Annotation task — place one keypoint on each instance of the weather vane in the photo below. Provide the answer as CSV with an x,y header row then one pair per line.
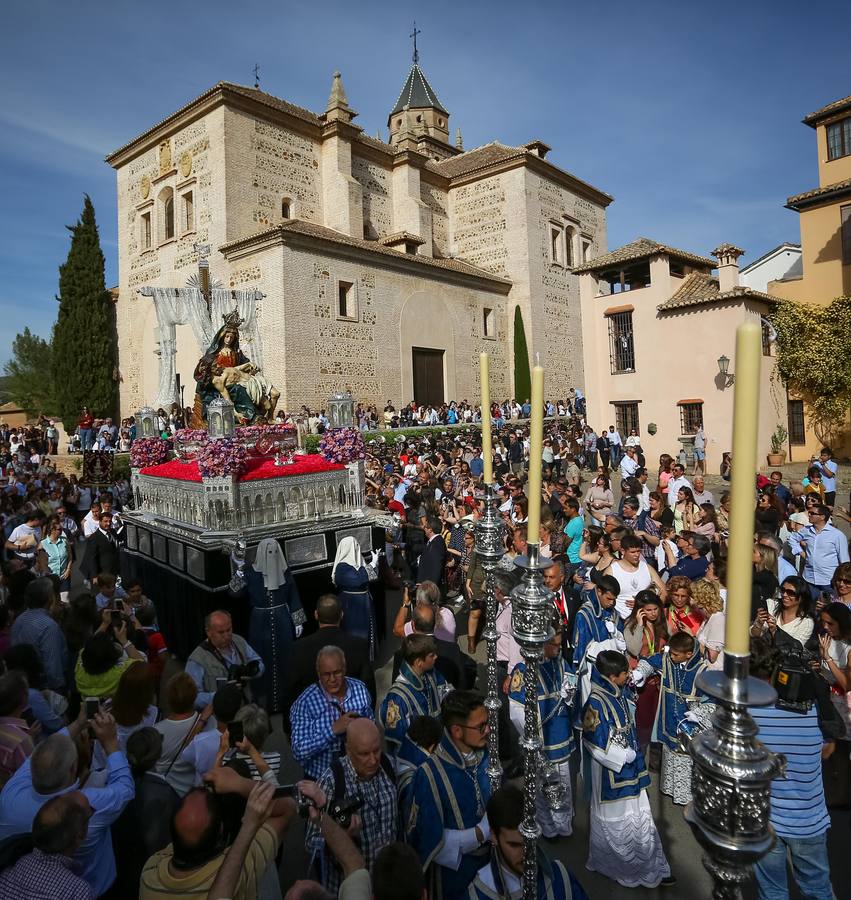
x,y
257,75
414,36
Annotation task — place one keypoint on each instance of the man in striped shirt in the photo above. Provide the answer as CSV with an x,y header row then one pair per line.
x,y
798,810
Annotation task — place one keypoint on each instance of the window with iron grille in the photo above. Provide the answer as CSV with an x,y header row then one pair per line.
x,y
626,417
766,339
691,417
621,346
797,433
839,139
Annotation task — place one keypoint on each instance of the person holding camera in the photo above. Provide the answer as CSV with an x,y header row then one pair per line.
x,y
360,788
222,655
799,814
791,614
190,864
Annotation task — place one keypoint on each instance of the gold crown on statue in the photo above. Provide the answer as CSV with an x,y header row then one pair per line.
x,y
233,319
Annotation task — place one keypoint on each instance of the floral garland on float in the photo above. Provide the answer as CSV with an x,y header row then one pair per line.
x,y
149,451
342,445
221,457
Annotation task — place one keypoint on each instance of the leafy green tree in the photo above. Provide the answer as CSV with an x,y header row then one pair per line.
x,y
812,359
29,374
522,377
85,351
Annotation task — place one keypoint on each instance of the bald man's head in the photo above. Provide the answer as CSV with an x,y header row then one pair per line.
x,y
363,747
60,825
197,830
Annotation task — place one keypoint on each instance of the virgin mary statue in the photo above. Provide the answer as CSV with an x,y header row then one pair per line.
x,y
225,371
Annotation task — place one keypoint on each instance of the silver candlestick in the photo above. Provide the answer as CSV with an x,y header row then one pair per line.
x,y
731,780
490,548
531,613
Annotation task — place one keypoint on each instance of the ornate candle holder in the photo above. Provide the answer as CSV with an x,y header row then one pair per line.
x,y
731,780
531,612
490,548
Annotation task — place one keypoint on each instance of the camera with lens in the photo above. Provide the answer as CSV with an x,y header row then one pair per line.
x,y
245,672
794,680
341,810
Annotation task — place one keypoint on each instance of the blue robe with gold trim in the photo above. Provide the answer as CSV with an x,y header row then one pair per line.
x,y
555,882
678,692
410,696
447,794
556,714
606,717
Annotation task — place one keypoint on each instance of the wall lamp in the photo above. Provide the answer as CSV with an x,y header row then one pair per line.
x,y
723,370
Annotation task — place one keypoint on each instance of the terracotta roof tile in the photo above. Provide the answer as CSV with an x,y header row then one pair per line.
x,y
298,226
836,107
642,248
838,187
699,288
479,158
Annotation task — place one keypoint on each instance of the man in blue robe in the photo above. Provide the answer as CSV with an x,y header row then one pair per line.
x,y
597,627
624,843
417,690
680,701
556,694
447,824
502,877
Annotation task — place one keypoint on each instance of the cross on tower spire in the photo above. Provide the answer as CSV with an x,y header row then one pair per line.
x,y
414,36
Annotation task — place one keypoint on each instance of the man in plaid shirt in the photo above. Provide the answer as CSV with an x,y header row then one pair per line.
x,y
321,716
366,776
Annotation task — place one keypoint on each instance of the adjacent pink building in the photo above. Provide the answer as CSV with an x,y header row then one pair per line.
x,y
658,327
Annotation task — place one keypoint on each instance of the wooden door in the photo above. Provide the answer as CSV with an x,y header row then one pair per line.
x,y
428,376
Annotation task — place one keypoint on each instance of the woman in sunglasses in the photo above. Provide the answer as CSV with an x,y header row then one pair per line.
x,y
791,613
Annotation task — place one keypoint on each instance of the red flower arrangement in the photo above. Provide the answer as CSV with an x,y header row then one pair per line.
x,y
221,457
274,429
190,435
342,445
149,451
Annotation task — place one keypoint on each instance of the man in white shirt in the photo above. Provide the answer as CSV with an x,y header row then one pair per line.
x,y
629,464
679,480
701,495
24,540
615,445
91,522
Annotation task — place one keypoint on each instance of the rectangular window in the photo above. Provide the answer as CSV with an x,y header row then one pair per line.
x,y
845,214
691,417
839,139
145,236
797,432
488,326
568,248
188,212
586,251
626,417
766,340
346,300
555,246
621,346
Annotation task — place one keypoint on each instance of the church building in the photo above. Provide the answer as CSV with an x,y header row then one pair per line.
x,y
380,267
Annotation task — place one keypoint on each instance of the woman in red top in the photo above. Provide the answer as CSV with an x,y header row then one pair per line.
x,y
681,615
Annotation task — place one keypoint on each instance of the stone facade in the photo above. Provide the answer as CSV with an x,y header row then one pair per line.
x,y
293,204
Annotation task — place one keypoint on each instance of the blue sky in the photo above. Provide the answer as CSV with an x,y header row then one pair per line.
x,y
689,114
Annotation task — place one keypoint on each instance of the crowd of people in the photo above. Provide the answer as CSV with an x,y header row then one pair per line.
x,y
126,773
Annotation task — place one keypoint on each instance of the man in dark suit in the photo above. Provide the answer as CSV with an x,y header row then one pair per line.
x,y
101,550
433,558
302,670
456,667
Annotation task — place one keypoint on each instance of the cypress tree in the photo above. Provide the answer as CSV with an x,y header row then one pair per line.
x,y
85,349
522,376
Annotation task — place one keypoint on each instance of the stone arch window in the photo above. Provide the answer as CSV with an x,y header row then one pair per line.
x,y
569,248
286,208
166,216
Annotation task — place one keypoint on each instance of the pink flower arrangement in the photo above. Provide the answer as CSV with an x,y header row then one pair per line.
x,y
221,457
342,445
149,451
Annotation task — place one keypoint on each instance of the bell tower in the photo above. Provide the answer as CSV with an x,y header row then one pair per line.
x,y
426,115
